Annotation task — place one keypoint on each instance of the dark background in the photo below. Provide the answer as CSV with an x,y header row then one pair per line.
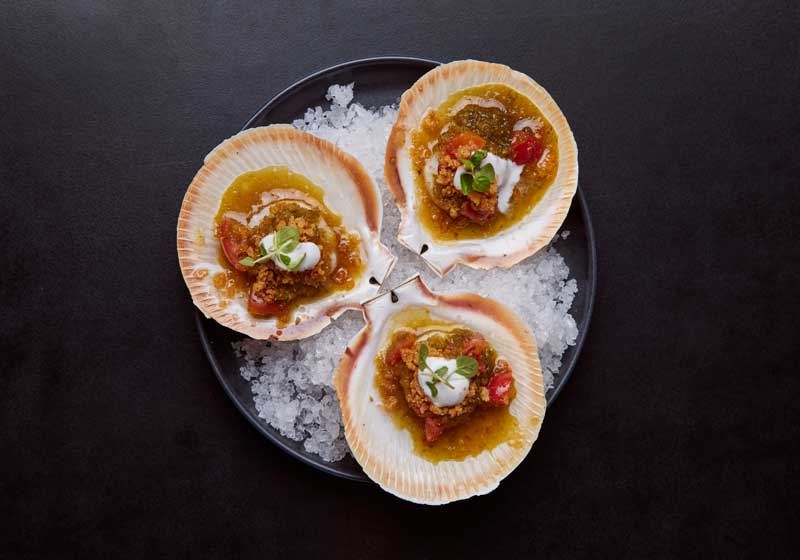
x,y
677,434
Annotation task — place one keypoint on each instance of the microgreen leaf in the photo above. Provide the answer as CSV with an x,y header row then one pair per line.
x,y
247,261
285,259
488,171
290,246
481,183
432,386
466,366
267,251
293,265
477,156
466,183
482,178
468,166
286,239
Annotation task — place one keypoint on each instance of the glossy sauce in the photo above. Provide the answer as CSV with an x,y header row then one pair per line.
x,y
494,125
244,194
246,190
484,429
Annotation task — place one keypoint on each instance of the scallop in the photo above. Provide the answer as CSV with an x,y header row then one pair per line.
x,y
384,449
521,239
348,192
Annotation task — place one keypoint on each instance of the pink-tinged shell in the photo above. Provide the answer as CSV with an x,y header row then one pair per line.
x,y
349,192
383,450
520,240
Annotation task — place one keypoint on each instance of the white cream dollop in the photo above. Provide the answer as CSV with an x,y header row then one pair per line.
x,y
445,396
506,173
310,250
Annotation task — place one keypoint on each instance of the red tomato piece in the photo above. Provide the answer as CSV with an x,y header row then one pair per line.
x,y
469,139
232,247
525,147
469,211
500,389
395,353
432,429
257,305
474,348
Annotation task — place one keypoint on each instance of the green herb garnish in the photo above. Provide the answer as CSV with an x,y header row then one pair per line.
x,y
423,356
432,386
465,367
466,183
284,242
476,177
294,264
477,157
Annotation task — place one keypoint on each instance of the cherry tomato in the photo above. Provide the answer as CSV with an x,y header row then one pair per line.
x,y
395,353
525,147
432,429
500,389
232,247
469,139
257,305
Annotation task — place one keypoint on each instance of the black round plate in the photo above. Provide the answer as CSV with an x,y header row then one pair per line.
x,y
381,81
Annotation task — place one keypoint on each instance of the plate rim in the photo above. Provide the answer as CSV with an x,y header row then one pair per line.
x,y
257,422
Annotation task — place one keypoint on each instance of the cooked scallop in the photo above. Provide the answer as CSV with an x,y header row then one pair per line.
x,y
482,165
441,395
279,233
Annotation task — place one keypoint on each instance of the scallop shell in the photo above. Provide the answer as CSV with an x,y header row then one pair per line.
x,y
349,192
384,451
519,240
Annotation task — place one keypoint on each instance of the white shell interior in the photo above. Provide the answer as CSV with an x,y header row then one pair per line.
x,y
389,456
341,196
441,256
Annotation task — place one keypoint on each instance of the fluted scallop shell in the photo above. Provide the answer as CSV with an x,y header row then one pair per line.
x,y
349,192
520,240
385,451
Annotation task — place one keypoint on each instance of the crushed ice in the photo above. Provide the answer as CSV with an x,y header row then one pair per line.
x,y
291,381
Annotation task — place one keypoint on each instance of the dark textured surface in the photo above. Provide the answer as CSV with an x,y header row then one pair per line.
x,y
677,435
